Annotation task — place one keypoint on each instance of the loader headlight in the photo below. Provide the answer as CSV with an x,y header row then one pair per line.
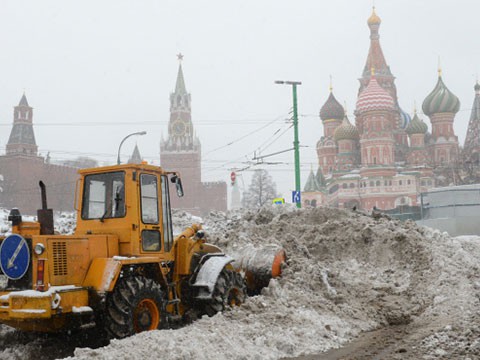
x,y
39,249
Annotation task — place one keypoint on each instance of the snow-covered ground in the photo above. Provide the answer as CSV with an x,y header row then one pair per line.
x,y
347,273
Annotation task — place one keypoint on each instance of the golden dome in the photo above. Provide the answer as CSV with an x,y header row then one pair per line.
x,y
374,19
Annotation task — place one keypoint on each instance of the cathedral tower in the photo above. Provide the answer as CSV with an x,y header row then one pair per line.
x,y
472,140
440,106
375,113
376,60
416,130
331,114
346,136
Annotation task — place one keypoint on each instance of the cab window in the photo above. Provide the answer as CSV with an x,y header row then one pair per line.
x,y
149,198
151,240
104,196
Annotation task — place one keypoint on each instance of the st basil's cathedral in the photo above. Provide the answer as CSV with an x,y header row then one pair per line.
x,y
386,158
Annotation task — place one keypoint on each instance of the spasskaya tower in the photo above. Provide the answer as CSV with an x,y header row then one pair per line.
x,y
181,151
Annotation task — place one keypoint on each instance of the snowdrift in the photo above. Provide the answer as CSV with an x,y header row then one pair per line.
x,y
346,273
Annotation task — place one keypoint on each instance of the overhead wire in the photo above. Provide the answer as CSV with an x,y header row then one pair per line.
x,y
246,135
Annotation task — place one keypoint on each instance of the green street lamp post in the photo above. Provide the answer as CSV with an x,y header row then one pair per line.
x,y
295,129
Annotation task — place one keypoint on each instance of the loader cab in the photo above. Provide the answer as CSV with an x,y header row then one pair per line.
x,y
131,202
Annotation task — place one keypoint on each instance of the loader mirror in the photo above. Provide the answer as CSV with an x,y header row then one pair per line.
x,y
178,184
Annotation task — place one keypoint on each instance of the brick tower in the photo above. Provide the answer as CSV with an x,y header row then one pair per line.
x,y
22,138
181,150
22,168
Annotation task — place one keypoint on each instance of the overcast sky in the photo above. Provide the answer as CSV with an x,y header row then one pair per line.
x,y
95,71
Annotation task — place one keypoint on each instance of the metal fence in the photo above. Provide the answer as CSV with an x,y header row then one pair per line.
x,y
452,202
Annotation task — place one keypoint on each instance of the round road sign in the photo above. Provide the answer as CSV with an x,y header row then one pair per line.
x,y
14,256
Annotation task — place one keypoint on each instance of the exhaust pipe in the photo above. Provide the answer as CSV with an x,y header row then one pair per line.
x,y
45,215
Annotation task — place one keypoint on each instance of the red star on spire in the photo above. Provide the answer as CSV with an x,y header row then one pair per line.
x,y
180,56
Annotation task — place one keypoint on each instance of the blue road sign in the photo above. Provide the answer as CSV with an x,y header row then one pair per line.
x,y
14,256
296,198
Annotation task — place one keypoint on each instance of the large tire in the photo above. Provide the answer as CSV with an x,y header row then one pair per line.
x,y
136,304
230,290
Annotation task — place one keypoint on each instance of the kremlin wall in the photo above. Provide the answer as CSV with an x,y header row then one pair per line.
x,y
381,157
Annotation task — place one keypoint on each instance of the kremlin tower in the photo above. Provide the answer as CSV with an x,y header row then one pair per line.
x,y
181,152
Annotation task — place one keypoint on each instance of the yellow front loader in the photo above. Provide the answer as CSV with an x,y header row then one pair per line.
x,y
122,270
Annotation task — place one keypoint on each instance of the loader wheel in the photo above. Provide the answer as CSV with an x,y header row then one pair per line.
x,y
230,290
136,304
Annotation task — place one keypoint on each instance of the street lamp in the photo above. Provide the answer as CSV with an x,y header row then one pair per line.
x,y
125,138
295,128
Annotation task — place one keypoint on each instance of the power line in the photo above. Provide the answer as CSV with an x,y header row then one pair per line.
x,y
198,123
246,135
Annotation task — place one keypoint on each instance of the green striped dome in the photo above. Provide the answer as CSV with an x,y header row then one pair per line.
x,y
440,100
416,126
346,131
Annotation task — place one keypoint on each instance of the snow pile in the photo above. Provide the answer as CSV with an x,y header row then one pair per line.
x,y
347,273
182,220
65,222
4,223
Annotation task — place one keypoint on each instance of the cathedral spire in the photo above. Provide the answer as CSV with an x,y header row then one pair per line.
x,y
472,140
375,58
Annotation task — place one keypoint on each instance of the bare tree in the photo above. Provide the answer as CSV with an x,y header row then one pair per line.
x,y
262,190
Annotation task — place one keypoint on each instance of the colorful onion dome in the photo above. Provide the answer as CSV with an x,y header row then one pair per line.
x,y
346,131
404,119
374,19
374,98
332,109
416,126
440,100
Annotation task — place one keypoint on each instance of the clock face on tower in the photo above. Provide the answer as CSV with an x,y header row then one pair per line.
x,y
178,128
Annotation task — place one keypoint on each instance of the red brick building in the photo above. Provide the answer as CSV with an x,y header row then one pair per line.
x,y
22,169
182,151
387,158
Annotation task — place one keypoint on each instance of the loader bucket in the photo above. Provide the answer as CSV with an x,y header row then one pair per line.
x,y
260,265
